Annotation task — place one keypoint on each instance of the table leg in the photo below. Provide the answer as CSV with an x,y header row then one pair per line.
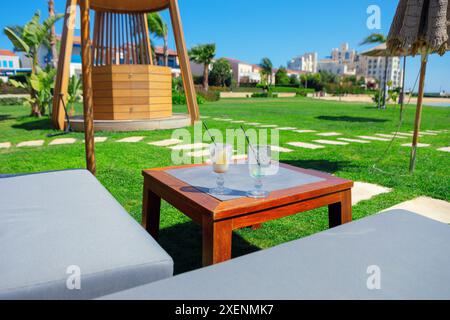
x,y
341,212
151,211
216,241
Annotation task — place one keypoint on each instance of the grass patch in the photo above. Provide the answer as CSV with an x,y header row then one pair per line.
x,y
120,165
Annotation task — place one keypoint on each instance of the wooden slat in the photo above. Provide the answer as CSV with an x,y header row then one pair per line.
x,y
132,85
161,100
125,101
63,72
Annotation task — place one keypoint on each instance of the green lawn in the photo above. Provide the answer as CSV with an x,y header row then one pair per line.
x,y
120,165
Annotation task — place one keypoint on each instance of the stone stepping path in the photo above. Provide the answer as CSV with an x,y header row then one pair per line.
x,y
445,149
280,149
406,134
238,121
373,138
165,143
268,126
199,153
435,209
329,134
190,146
425,133
252,124
419,145
100,139
34,143
286,128
332,142
224,120
305,131
5,145
205,117
390,136
435,131
365,191
131,140
353,140
58,142
305,145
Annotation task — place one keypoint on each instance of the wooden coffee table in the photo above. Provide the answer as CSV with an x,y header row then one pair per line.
x,y
218,218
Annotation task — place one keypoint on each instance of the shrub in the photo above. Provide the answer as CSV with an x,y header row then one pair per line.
x,y
210,96
264,95
12,101
7,88
179,98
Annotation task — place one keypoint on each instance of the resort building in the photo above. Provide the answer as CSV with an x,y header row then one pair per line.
x,y
244,72
45,57
374,67
306,63
173,61
335,67
9,63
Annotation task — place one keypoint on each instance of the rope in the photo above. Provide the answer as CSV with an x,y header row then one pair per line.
x,y
400,123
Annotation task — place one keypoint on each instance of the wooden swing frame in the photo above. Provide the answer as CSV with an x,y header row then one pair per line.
x,y
62,78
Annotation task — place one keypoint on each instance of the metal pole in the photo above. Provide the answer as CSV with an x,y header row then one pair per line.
x,y
402,104
423,70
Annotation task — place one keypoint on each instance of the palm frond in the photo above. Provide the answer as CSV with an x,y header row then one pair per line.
x,y
16,40
374,38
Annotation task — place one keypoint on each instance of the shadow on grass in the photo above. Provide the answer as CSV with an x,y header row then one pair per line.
x,y
350,119
183,242
4,117
320,165
38,124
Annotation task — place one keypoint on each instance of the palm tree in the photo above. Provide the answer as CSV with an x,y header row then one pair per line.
x,y
51,13
203,54
373,39
159,29
29,39
267,69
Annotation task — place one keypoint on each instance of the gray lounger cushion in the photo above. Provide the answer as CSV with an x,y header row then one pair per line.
x,y
51,221
411,251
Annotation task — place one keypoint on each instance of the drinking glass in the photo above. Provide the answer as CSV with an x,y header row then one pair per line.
x,y
259,160
221,158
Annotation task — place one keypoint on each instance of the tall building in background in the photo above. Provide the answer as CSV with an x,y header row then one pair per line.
x,y
305,63
374,67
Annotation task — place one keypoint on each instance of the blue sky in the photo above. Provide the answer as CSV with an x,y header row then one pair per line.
x,y
251,29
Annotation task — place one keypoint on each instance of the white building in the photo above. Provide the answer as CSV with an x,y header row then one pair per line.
x,y
343,61
9,63
335,67
45,57
244,72
306,63
374,67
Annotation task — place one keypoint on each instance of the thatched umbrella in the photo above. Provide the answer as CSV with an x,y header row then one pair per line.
x,y
420,27
381,51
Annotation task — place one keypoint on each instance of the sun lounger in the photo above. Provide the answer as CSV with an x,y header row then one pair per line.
x,y
393,255
58,225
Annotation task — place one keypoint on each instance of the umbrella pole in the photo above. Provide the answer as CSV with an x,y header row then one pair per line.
x,y
86,54
402,104
423,70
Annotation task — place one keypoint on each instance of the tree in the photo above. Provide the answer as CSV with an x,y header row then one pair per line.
x,y
281,77
294,80
203,54
74,92
42,83
267,69
373,39
51,13
29,39
221,73
159,29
